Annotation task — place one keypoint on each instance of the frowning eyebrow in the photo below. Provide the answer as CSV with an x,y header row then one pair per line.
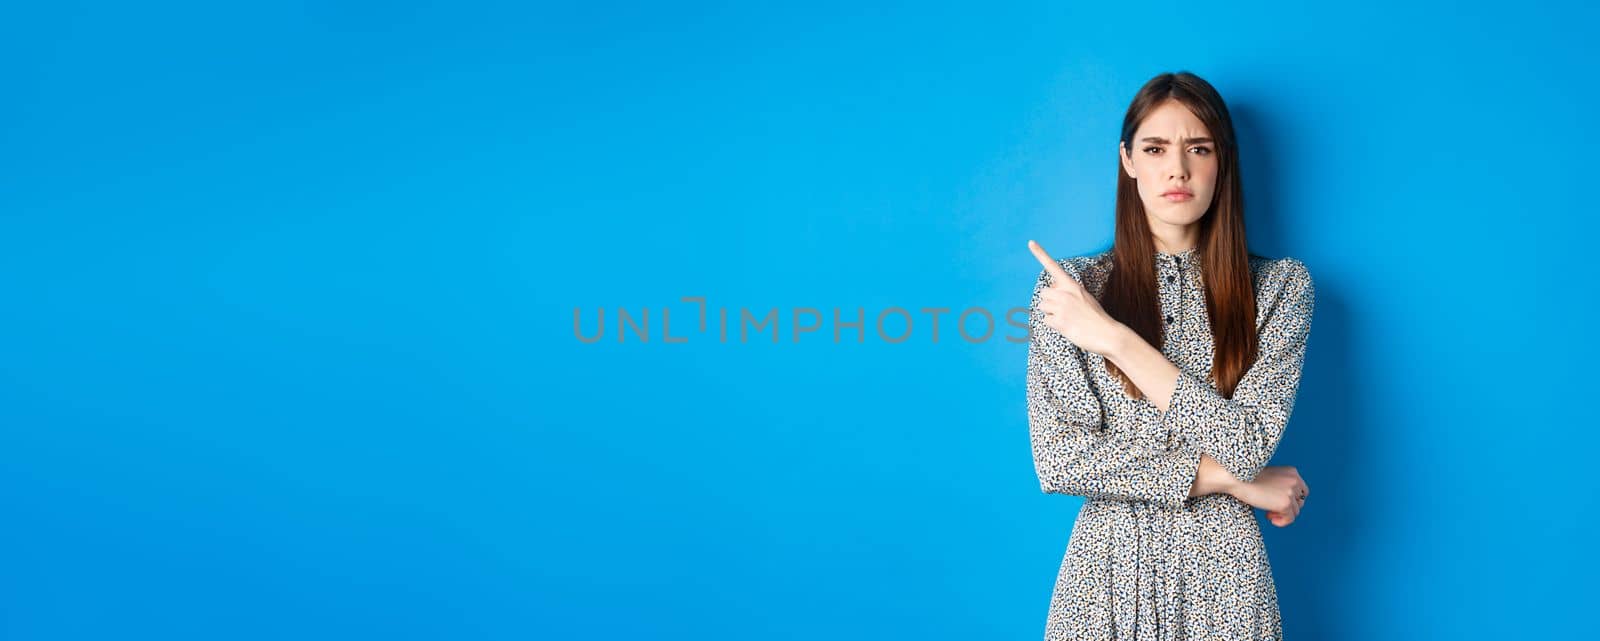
x,y
1162,141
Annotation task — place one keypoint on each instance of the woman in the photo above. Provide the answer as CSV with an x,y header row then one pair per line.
x,y
1161,374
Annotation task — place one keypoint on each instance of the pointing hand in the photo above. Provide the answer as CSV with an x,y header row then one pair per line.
x,y
1072,311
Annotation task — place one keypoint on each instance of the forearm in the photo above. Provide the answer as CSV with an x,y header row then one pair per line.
x,y
1149,369
1231,440
1212,478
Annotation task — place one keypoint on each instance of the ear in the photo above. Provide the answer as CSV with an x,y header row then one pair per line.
x,y
1127,159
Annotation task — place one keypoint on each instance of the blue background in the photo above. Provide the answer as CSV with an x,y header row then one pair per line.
x,y
288,345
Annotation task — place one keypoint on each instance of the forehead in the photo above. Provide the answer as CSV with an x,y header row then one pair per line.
x,y
1172,120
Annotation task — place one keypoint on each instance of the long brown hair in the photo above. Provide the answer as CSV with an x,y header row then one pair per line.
x,y
1132,295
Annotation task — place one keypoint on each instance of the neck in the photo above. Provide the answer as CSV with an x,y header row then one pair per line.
x,y
1174,239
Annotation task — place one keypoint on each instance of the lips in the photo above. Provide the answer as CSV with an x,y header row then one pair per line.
x,y
1177,196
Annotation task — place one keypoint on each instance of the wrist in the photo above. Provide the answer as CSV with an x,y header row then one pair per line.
x,y
1122,338
1217,480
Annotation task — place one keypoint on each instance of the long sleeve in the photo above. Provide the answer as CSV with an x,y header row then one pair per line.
x,y
1073,453
1242,433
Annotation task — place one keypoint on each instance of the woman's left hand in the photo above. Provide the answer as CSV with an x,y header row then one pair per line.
x,y
1073,312
1279,490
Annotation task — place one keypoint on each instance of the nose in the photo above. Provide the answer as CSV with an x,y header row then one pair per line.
x,y
1180,167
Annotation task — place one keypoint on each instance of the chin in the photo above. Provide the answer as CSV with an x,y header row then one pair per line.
x,y
1184,214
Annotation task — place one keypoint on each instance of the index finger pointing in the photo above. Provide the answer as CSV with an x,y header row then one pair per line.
x,y
1057,275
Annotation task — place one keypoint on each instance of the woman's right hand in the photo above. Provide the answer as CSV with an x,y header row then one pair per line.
x,y
1279,490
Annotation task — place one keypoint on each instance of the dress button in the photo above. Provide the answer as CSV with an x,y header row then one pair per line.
x,y
1171,278
1169,318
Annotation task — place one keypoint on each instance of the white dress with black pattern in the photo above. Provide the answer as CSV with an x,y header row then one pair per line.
x,y
1144,561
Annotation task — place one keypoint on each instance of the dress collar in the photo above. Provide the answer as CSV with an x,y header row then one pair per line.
x,y
1186,255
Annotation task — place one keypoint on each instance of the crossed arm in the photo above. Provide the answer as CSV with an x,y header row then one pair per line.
x,y
1223,440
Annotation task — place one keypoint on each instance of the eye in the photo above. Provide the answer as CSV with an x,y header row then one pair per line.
x,y
1205,151
1149,150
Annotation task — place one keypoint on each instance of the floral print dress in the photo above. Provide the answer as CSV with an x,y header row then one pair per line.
x,y
1144,561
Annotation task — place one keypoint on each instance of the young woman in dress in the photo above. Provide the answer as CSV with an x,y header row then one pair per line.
x,y
1161,376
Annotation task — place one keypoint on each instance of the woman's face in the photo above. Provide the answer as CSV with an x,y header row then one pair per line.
x,y
1172,150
